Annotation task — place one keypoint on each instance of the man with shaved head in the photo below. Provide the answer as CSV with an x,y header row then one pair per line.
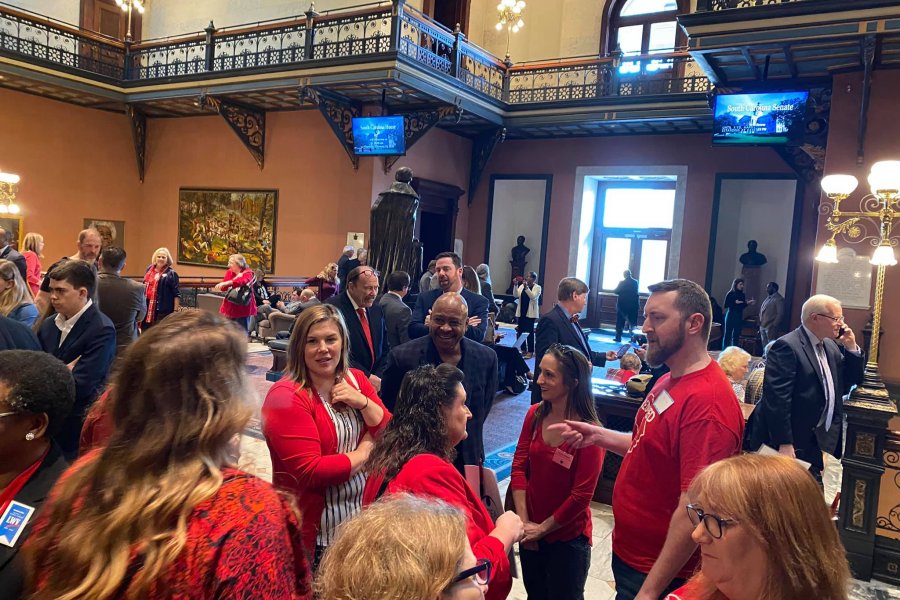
x,y
808,371
446,343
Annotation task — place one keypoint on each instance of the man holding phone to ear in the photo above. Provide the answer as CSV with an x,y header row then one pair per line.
x,y
808,371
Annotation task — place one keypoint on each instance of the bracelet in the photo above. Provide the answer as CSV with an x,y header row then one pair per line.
x,y
367,403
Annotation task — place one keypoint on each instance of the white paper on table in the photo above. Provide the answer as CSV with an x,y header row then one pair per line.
x,y
765,450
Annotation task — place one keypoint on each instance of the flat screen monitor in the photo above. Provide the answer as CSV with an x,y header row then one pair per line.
x,y
766,118
378,136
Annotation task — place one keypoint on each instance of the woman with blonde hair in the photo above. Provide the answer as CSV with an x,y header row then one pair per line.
x,y
325,282
764,532
33,252
238,305
161,511
736,363
403,548
320,422
161,288
16,300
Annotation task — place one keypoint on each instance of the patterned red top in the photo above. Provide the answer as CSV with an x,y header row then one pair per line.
x,y
243,543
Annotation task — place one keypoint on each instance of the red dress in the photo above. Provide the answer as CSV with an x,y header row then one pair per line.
x,y
302,441
236,311
429,475
243,542
33,270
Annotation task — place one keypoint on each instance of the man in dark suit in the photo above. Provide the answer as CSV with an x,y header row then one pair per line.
x,y
342,266
7,252
560,326
445,343
396,313
448,270
80,336
627,304
122,300
16,336
808,371
365,322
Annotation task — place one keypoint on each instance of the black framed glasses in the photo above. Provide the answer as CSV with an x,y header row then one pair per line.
x,y
715,525
835,319
481,572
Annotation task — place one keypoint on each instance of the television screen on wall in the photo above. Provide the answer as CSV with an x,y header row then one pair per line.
x,y
378,136
769,118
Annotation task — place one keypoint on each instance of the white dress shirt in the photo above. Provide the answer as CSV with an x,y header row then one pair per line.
x,y
65,325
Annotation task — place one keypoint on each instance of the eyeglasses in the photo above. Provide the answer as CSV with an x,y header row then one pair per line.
x,y
835,319
714,524
359,274
481,572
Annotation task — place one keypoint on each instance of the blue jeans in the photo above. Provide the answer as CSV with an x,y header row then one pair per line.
x,y
556,570
629,580
242,322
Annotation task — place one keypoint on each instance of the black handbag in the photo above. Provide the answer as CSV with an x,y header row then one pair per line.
x,y
240,295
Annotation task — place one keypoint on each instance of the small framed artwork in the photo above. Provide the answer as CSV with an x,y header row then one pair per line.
x,y
15,230
112,233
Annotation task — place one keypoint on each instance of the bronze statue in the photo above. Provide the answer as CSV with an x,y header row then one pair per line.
x,y
752,258
518,262
392,225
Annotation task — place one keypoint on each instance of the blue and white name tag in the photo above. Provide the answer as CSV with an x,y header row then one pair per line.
x,y
663,402
13,522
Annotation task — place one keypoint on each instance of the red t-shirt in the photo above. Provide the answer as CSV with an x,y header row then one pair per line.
x,y
552,489
683,425
691,592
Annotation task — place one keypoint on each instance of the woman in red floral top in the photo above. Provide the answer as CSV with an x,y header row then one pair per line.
x,y
160,511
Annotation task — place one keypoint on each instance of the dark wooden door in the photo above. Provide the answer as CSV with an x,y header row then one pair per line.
x,y
449,12
436,218
105,16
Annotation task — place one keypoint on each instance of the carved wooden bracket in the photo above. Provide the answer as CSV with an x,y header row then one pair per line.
x,y
248,123
808,160
138,135
417,124
482,149
339,113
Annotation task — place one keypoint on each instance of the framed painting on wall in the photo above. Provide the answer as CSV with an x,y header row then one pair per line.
x,y
15,230
215,223
112,233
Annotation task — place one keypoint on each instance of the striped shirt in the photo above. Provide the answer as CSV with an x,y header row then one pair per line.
x,y
344,500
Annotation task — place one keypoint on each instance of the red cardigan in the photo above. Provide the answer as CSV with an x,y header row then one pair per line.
x,y
236,311
552,489
429,475
302,441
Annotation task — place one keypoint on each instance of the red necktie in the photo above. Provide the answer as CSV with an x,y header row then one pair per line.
x,y
574,319
368,332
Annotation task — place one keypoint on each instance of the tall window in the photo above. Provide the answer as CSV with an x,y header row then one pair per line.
x,y
642,27
633,231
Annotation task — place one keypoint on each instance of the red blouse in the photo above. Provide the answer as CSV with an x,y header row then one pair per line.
x,y
302,441
236,311
243,542
33,270
429,475
552,489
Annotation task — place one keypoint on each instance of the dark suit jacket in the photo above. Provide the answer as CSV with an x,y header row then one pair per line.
x,y
555,328
360,355
16,336
478,307
17,259
396,319
479,367
793,398
125,304
627,291
34,493
93,339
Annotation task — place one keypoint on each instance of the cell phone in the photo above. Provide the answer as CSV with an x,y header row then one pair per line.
x,y
623,351
842,331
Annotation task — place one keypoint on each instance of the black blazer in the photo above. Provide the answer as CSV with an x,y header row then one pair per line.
x,y
478,307
360,355
34,493
479,367
396,319
793,397
555,328
17,259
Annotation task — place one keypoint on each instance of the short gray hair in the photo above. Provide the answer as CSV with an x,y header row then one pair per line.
x,y
819,303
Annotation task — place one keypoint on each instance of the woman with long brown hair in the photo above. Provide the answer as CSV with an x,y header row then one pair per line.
x,y
161,511
320,422
764,532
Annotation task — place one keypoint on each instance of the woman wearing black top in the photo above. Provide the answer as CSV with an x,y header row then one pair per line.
x,y
735,303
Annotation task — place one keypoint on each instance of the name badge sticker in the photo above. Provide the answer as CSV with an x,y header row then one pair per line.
x,y
563,458
663,402
13,522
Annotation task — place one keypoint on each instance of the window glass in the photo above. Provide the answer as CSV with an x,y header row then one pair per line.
x,y
645,7
630,39
662,36
616,258
636,208
653,263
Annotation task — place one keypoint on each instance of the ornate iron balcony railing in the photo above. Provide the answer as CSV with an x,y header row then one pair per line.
x,y
374,32
714,5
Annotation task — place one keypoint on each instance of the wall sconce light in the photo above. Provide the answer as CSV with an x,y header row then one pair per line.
x,y
9,186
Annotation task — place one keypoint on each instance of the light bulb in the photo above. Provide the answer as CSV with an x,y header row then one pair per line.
x,y
9,178
884,181
499,26
520,24
515,29
884,255
14,208
3,209
500,7
828,253
892,166
839,184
